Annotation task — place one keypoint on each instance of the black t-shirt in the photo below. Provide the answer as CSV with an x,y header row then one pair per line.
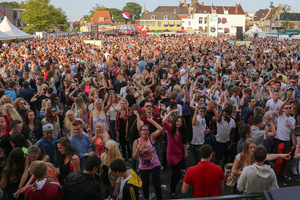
x,y
131,100
5,144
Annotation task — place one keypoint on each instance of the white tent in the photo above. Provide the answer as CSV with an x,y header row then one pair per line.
x,y
295,37
253,30
4,36
8,28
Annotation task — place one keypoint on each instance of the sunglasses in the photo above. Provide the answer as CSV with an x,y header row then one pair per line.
x,y
53,111
202,111
148,106
288,108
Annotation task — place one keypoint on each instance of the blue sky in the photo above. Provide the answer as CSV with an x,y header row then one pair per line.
x,y
75,9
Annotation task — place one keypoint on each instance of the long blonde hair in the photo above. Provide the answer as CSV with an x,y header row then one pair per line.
x,y
113,152
245,154
12,112
96,110
7,99
15,104
67,121
79,102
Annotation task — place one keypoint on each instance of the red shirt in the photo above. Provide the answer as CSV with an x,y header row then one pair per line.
x,y
205,178
50,190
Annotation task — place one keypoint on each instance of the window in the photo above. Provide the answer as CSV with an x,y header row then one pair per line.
x,y
147,23
152,23
142,23
189,23
166,23
178,23
166,17
153,17
96,18
159,23
172,23
205,20
200,20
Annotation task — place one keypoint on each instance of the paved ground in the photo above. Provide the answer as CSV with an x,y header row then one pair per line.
x,y
166,177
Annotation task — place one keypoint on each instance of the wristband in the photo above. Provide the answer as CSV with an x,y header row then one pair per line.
x,y
297,145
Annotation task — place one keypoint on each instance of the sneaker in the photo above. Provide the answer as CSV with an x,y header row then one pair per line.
x,y
294,170
162,169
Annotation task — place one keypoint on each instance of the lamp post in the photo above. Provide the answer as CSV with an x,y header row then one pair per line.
x,y
271,6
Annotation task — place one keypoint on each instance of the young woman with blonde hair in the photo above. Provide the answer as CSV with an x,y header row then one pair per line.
x,y
21,106
99,114
110,183
51,117
79,108
12,112
6,99
101,136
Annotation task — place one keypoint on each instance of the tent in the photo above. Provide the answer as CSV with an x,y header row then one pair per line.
x,y
295,37
8,28
4,36
253,30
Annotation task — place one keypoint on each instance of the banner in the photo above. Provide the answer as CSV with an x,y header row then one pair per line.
x,y
212,26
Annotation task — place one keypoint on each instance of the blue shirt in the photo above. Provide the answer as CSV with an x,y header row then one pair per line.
x,y
49,147
82,146
142,64
11,93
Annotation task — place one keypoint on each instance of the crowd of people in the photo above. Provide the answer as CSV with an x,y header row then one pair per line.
x,y
75,116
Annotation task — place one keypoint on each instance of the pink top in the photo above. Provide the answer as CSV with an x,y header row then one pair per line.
x,y
147,157
175,146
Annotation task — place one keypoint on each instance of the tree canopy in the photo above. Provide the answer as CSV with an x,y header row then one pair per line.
x,y
134,9
40,15
14,4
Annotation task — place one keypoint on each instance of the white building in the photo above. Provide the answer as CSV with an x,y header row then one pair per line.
x,y
229,17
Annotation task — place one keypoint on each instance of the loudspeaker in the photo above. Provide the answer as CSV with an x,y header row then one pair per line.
x,y
239,33
94,32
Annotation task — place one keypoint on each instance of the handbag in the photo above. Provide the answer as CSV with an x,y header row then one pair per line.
x,y
230,178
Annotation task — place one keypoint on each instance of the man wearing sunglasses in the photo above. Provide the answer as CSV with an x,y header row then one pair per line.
x,y
285,138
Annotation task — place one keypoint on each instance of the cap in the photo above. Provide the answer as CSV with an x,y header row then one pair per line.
x,y
48,128
202,106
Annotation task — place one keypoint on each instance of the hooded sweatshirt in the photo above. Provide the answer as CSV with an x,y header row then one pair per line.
x,y
256,179
131,187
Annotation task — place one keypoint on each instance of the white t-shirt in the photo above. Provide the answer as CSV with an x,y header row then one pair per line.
x,y
184,77
284,126
123,181
272,105
198,131
224,129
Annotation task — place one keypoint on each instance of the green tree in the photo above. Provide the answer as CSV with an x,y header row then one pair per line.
x,y
134,9
97,7
40,15
116,14
14,4
287,14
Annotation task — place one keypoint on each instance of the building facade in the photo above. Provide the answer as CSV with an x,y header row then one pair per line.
x,y
229,17
165,18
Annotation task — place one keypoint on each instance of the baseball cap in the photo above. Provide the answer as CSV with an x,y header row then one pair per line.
x,y
290,88
202,106
48,128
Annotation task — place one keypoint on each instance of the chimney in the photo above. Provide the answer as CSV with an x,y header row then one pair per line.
x,y
202,3
174,11
179,2
212,4
185,4
236,8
